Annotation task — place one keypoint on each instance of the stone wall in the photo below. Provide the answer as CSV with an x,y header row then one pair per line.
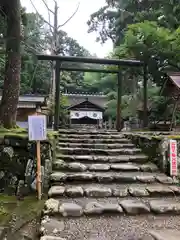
x,y
18,163
156,146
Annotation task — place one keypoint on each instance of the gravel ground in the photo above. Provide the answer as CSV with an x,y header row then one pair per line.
x,y
117,227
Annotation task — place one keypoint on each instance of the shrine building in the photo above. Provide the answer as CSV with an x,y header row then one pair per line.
x,y
86,108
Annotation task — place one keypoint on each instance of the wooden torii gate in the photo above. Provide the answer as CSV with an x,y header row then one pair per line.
x,y
112,62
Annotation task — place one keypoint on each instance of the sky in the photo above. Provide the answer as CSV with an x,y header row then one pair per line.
x,y
76,28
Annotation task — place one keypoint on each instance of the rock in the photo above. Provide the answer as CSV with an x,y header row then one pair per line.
x,y
119,158
134,207
51,225
120,192
164,179
99,167
84,157
98,192
74,192
104,177
149,167
58,176
60,164
100,158
159,190
51,238
80,176
125,178
124,167
138,157
165,206
165,234
56,191
146,178
175,189
70,210
138,192
112,208
93,208
52,206
77,167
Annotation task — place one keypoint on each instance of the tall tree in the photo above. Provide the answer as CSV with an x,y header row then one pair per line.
x,y
11,85
111,21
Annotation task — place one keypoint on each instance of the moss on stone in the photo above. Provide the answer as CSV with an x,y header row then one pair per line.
x,y
23,133
25,209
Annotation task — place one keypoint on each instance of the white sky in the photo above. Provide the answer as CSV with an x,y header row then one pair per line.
x,y
77,28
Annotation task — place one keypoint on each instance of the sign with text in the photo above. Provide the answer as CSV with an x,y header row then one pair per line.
x,y
37,128
173,158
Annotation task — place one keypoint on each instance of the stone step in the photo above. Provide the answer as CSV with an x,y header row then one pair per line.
x,y
165,234
82,167
107,152
51,237
96,145
94,141
95,206
103,177
138,158
91,136
88,131
114,190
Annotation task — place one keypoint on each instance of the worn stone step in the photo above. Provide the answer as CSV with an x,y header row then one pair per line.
x,y
51,237
91,136
98,206
165,234
107,152
82,167
103,177
94,141
88,131
114,190
138,158
96,145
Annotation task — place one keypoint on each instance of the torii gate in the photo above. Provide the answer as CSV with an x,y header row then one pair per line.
x,y
113,62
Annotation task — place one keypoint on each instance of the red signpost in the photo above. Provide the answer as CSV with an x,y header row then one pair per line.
x,y
173,158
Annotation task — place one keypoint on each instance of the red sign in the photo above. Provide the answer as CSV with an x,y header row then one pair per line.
x,y
173,158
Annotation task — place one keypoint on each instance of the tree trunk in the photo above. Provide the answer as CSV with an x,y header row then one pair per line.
x,y
10,96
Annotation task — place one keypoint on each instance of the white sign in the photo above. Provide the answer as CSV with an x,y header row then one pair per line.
x,y
82,114
173,158
37,128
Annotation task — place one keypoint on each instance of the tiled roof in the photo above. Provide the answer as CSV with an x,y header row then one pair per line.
x,y
97,99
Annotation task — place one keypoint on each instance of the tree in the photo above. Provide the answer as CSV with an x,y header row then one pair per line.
x,y
112,20
11,85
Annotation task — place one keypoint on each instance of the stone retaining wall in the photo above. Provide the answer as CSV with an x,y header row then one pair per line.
x,y
156,147
18,163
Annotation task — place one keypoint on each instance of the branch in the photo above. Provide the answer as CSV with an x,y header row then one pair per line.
x,y
49,10
51,26
62,25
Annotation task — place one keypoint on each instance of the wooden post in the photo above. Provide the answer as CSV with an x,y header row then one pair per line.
x,y
38,173
39,190
57,96
145,107
119,96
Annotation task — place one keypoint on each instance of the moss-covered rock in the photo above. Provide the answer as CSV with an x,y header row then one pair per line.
x,y
15,216
18,161
156,147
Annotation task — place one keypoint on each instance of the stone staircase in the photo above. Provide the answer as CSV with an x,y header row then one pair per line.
x,y
104,188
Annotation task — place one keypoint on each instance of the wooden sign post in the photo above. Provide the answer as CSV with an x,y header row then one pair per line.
x,y
37,132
